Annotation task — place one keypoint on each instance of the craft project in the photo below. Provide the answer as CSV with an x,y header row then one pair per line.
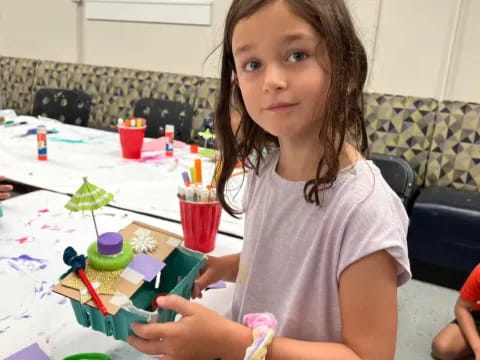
x,y
160,266
110,252
88,198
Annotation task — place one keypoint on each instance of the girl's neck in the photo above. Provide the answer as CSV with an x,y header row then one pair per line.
x,y
298,162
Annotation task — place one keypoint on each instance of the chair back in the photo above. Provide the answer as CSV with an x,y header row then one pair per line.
x,y
398,173
69,106
159,113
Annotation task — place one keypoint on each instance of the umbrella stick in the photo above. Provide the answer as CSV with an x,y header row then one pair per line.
x,y
95,223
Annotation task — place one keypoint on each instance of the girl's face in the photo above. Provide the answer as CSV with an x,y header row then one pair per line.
x,y
282,69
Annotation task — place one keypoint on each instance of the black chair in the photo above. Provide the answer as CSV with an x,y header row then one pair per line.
x,y
69,106
159,112
398,173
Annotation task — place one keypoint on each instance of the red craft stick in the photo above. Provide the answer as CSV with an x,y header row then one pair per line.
x,y
92,291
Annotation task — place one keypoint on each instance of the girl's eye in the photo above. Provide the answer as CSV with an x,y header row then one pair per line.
x,y
297,56
252,65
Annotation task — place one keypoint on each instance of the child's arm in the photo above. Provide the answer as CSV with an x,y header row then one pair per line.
x,y
467,325
368,304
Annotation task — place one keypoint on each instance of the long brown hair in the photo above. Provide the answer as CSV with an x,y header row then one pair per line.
x,y
342,118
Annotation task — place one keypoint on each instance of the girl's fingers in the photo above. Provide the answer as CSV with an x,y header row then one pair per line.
x,y
196,292
150,347
4,196
153,331
6,188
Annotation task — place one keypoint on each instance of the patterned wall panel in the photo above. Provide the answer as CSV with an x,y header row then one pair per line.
x,y
401,126
16,83
455,153
205,102
91,79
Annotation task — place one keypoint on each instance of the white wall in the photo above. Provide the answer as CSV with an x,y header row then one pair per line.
x,y
407,41
43,29
465,79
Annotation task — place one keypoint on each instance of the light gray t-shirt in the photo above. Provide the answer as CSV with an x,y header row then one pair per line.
x,y
294,252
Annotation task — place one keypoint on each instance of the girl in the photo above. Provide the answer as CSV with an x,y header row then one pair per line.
x,y
325,237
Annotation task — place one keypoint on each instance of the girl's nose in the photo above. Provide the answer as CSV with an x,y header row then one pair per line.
x,y
275,79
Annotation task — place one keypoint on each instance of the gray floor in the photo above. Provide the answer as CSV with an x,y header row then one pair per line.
x,y
424,309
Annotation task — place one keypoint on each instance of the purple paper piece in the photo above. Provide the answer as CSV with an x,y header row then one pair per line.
x,y
29,353
217,285
146,265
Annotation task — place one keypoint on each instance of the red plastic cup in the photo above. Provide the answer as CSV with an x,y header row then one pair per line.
x,y
200,223
131,139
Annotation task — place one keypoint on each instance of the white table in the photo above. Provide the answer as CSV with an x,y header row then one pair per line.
x,y
37,225
148,185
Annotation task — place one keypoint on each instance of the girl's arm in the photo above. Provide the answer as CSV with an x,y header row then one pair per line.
x,y
368,305
467,325
231,262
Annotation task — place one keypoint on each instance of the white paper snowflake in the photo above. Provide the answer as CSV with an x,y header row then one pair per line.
x,y
143,243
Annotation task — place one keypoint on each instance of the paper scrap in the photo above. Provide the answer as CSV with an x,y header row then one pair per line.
x,y
159,145
119,299
146,265
217,285
29,353
174,242
131,275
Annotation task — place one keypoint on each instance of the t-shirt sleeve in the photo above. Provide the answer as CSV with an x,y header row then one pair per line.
x,y
470,291
376,223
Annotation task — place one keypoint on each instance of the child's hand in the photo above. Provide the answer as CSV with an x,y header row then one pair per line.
x,y
5,190
200,334
214,270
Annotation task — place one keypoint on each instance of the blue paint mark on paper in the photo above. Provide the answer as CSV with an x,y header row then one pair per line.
x,y
90,140
25,315
41,287
62,301
24,263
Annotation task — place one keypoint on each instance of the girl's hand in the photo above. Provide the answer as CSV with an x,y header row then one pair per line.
x,y
5,190
215,269
200,334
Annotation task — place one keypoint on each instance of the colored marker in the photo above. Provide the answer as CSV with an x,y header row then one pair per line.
x,y
181,192
186,178
139,123
204,195
192,175
198,171
189,194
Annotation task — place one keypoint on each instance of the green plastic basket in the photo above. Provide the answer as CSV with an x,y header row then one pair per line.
x,y
181,262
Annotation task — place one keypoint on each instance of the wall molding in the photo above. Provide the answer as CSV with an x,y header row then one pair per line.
x,y
191,12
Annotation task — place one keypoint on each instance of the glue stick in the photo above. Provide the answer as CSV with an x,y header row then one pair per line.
x,y
42,142
169,134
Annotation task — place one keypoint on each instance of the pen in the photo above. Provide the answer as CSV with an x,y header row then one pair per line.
x,y
11,123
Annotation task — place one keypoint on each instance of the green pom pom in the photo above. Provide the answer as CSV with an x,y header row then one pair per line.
x,y
110,263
